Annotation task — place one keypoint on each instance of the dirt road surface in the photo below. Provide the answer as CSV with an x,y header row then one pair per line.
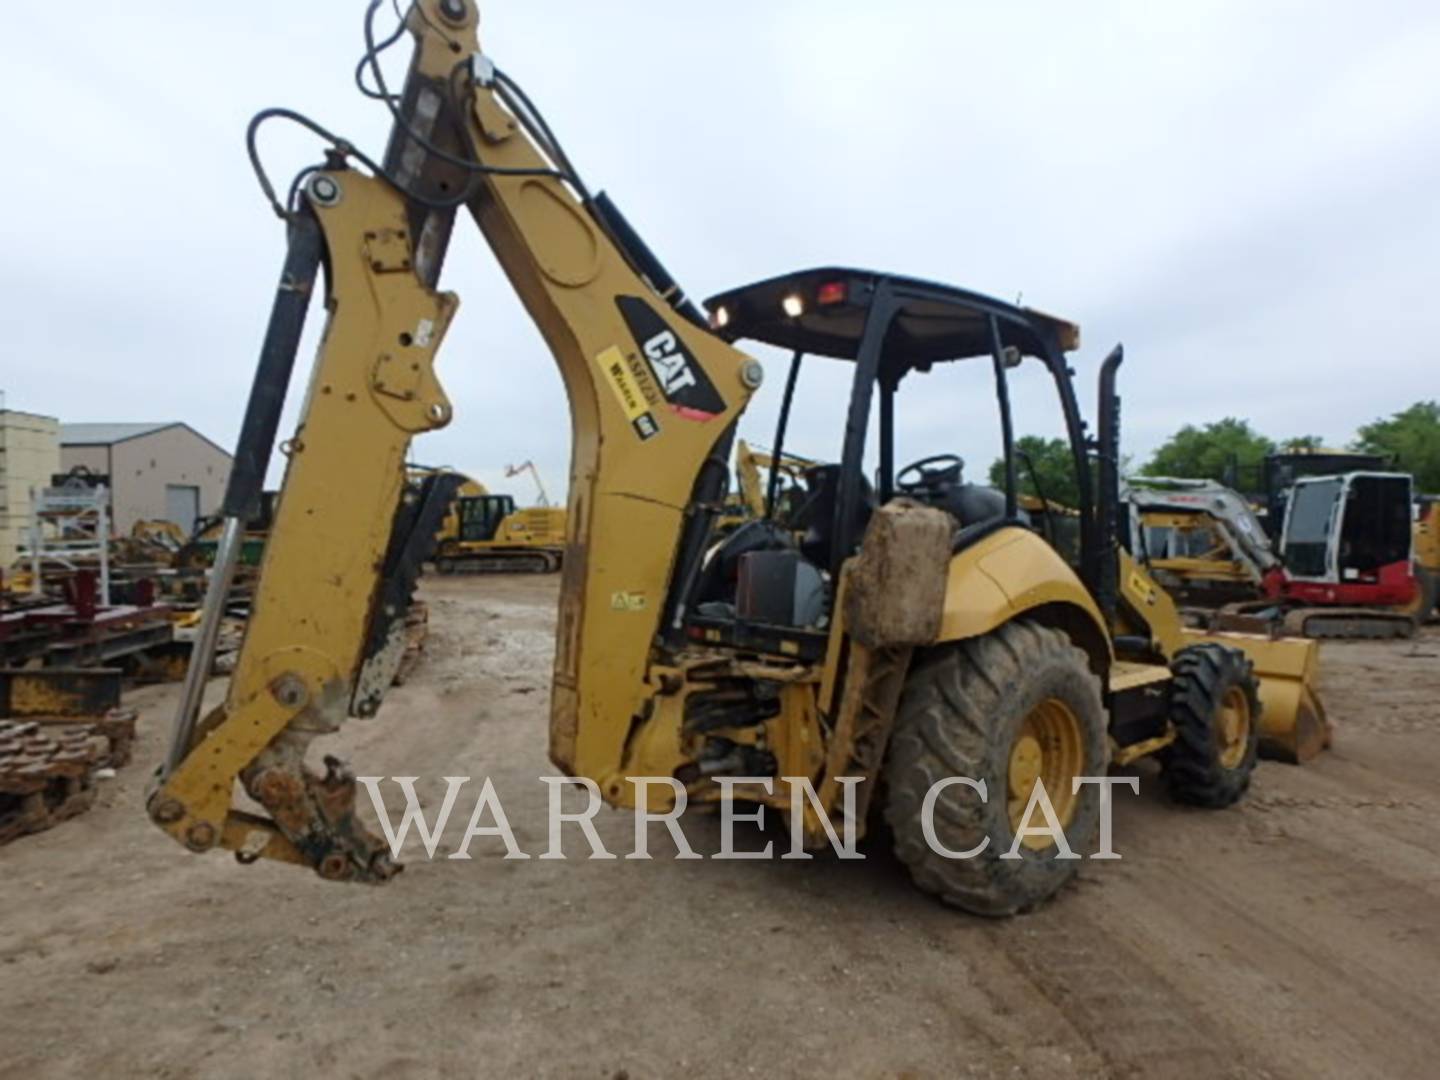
x,y
1297,935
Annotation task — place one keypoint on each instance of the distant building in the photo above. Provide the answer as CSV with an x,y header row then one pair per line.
x,y
29,457
167,471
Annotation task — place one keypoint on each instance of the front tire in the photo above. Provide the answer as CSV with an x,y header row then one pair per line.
x,y
1018,703
1215,707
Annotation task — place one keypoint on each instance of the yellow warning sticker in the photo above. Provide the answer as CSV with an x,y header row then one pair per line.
x,y
627,601
1141,588
632,401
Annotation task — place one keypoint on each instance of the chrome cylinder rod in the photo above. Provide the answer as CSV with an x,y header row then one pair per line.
x,y
202,653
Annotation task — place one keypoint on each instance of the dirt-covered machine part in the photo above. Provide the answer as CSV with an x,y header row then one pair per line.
x,y
58,728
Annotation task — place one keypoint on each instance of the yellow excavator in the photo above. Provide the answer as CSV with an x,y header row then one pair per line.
x,y
1201,540
489,534
916,631
483,533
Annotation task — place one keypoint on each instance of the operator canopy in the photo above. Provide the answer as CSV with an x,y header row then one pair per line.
x,y
823,312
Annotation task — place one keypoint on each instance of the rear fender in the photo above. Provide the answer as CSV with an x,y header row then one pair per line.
x,y
1013,572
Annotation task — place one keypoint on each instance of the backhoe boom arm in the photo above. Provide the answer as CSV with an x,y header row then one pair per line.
x,y
653,401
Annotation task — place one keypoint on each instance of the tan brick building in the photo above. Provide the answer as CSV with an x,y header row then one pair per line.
x,y
167,471
29,457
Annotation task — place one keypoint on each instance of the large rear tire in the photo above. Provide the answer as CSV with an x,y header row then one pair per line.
x,y
1215,707
1016,704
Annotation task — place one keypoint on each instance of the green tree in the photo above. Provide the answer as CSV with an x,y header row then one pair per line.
x,y
1412,438
1217,451
1302,442
1052,464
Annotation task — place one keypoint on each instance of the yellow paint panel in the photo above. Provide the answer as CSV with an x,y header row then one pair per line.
x,y
1004,575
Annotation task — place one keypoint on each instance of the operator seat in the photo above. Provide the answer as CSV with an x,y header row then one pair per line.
x,y
941,484
970,504
977,509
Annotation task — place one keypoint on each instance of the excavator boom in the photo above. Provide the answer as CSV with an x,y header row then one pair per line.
x,y
541,499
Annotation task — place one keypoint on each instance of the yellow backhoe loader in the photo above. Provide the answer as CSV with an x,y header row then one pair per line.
x,y
917,631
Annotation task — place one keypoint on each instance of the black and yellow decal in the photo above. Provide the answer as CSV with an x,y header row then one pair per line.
x,y
683,382
627,392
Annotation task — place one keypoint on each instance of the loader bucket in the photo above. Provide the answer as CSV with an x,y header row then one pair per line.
x,y
1293,725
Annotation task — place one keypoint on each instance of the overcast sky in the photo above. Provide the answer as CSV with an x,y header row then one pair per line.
x,y
1247,194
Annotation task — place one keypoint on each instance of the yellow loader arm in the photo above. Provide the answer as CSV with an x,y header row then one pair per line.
x,y
653,401
747,472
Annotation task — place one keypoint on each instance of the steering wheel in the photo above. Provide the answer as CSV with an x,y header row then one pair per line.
x,y
930,472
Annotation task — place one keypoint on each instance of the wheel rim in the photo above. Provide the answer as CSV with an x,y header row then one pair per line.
x,y
1049,747
1232,727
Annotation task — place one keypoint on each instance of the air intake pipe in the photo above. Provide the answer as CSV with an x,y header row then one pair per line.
x,y
1107,455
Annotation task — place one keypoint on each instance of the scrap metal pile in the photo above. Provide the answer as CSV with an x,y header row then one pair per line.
x,y
49,767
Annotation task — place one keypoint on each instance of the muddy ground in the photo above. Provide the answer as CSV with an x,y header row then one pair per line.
x,y
1297,935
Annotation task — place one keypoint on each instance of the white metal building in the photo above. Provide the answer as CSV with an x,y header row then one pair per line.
x,y
167,471
29,457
